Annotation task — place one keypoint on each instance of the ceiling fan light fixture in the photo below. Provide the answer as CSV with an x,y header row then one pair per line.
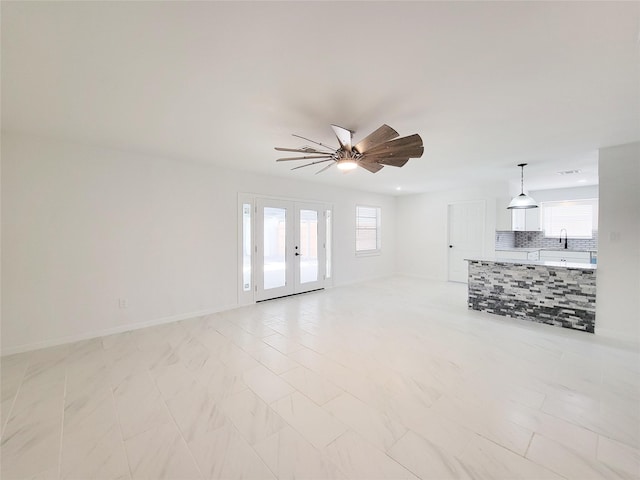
x,y
522,200
346,164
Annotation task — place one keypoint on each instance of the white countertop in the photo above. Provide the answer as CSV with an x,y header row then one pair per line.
x,y
542,263
546,249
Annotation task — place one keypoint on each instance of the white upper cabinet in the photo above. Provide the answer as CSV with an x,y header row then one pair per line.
x,y
503,216
532,220
518,220
526,220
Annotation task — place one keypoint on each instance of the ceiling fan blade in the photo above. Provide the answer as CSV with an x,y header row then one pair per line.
x,y
411,152
394,162
412,141
373,167
344,136
313,141
306,157
303,150
325,168
375,138
313,163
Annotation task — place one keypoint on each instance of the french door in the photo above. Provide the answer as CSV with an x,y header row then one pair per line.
x,y
290,247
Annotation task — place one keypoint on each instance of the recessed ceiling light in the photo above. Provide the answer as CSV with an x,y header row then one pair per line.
x,y
582,180
569,172
398,188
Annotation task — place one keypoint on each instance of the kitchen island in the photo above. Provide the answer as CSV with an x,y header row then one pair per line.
x,y
556,293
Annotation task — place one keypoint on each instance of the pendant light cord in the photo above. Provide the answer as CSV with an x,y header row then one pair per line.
x,y
522,165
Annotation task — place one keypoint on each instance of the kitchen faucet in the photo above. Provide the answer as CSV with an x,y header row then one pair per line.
x,y
565,237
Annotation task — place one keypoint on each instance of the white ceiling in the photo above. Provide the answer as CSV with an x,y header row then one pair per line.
x,y
486,85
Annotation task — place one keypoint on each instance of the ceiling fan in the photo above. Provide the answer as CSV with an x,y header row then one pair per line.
x,y
379,148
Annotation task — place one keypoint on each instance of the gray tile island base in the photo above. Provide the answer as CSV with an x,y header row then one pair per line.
x,y
545,292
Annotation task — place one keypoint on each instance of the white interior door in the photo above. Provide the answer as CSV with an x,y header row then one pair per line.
x,y
290,248
466,237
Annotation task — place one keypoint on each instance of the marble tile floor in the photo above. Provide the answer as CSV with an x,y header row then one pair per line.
x,y
392,378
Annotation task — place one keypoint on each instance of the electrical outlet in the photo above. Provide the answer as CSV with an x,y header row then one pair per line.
x,y
123,303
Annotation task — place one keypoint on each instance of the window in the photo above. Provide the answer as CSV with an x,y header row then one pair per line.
x,y
578,217
246,247
367,230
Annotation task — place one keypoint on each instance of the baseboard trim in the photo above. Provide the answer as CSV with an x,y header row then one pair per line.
x,y
625,338
111,331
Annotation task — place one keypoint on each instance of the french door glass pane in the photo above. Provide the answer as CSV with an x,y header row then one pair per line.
x,y
308,246
328,237
246,247
275,273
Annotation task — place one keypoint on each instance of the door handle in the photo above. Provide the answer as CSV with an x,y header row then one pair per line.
x,y
450,246
297,254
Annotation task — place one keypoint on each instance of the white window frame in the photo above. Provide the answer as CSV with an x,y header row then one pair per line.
x,y
378,230
554,233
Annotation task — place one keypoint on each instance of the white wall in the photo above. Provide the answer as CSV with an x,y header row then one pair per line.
x,y
560,194
422,228
85,226
618,281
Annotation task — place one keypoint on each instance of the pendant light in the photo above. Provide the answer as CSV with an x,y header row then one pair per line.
x,y
522,200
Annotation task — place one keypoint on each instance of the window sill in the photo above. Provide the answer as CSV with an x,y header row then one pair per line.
x,y
368,253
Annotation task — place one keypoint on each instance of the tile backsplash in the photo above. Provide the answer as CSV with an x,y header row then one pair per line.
x,y
506,239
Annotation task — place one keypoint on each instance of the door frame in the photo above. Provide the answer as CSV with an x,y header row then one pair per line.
x,y
247,296
483,235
